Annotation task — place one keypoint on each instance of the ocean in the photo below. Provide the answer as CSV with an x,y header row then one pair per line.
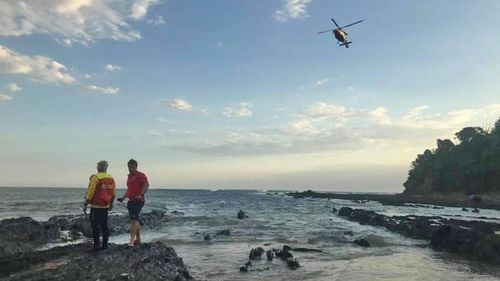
x,y
278,220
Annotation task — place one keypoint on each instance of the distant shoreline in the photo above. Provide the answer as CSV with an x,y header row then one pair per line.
x,y
488,200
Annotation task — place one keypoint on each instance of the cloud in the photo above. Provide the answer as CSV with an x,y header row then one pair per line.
x,y
325,110
4,98
111,68
140,8
73,21
102,90
181,105
242,111
293,9
323,127
321,82
158,20
39,68
13,87
220,46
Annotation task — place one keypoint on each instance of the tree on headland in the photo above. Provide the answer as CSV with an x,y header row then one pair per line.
x,y
471,166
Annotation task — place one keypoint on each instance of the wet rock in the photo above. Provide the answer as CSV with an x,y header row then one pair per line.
x,y
475,198
361,242
465,209
307,250
292,263
22,235
179,213
226,232
242,215
207,237
270,255
256,253
147,262
284,254
334,209
348,233
476,210
471,239
243,269
345,212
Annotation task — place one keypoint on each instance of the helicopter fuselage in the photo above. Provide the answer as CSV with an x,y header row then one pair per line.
x,y
340,35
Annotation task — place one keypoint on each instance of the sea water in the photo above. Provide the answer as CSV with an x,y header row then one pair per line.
x,y
278,220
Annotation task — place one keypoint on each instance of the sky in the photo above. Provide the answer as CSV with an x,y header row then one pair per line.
x,y
233,94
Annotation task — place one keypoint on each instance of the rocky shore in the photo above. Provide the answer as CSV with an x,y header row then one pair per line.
x,y
486,200
22,257
471,239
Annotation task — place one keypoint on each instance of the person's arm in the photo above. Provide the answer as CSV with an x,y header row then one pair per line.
x,y
90,192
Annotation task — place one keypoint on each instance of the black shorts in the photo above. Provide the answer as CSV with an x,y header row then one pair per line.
x,y
134,209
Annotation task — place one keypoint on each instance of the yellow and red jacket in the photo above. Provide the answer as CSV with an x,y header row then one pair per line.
x,y
101,190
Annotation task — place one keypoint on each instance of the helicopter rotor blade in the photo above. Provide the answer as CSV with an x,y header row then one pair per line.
x,y
335,23
351,24
329,30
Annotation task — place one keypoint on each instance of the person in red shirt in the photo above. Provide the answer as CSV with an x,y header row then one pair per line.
x,y
137,185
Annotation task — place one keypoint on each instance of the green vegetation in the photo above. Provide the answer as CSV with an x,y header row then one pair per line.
x,y
471,166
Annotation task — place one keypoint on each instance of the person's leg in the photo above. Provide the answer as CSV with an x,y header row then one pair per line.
x,y
132,211
138,226
104,228
138,234
94,224
133,232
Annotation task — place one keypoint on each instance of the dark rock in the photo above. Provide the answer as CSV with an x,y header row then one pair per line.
x,y
180,213
147,262
465,209
292,263
285,253
243,269
207,237
306,250
345,212
256,253
22,235
242,215
476,210
249,263
349,233
226,232
267,244
270,255
475,198
471,239
361,242
334,209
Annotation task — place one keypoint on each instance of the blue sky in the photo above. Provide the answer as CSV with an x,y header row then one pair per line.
x,y
240,94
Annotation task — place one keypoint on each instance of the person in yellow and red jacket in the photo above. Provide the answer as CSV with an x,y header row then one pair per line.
x,y
100,195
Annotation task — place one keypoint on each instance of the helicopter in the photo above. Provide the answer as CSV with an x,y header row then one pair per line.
x,y
340,34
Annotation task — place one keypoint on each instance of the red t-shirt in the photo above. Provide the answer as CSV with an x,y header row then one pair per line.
x,y
135,184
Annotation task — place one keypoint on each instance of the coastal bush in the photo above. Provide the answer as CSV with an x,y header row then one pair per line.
x,y
472,165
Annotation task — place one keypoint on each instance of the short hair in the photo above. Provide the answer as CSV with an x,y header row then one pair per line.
x,y
102,166
133,162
